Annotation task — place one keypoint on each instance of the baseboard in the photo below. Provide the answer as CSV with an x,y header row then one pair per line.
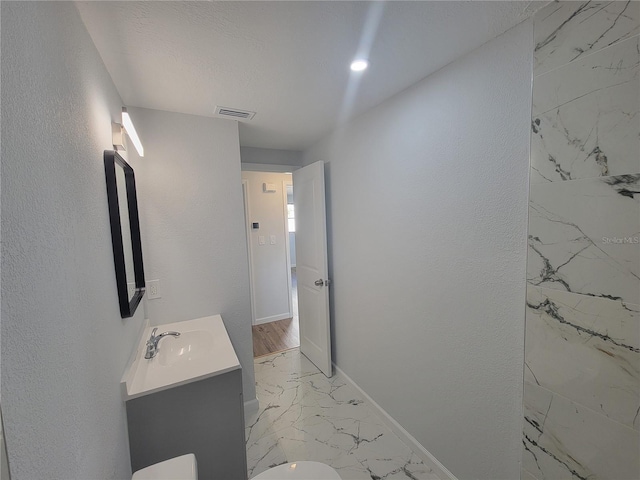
x,y
396,428
251,407
272,318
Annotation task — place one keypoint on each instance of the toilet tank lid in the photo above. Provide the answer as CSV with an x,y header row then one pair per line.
x,y
184,467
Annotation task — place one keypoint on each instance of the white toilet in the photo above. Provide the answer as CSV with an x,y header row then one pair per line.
x,y
186,468
299,471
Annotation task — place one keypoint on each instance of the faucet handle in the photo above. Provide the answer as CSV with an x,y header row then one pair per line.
x,y
152,337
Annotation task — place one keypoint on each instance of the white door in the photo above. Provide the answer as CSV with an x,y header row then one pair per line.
x,y
311,265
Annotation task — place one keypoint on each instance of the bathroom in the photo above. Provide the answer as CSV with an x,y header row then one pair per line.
x,y
482,217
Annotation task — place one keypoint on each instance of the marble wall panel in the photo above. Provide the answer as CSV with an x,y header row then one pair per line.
x,y
584,237
582,344
586,349
565,440
586,117
565,31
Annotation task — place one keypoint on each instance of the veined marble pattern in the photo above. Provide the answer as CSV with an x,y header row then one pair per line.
x,y
606,69
582,343
565,31
586,117
584,237
586,349
306,416
565,440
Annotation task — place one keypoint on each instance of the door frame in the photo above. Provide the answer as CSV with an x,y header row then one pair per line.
x,y
287,243
247,216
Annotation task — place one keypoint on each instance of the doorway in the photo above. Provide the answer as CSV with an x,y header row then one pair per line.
x,y
270,223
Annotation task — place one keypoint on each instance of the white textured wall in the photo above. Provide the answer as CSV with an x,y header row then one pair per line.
x,y
427,206
271,156
191,216
269,262
64,345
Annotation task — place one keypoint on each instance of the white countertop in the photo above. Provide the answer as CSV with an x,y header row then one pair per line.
x,y
203,350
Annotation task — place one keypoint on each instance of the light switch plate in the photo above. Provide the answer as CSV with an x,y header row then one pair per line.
x,y
261,240
153,289
272,239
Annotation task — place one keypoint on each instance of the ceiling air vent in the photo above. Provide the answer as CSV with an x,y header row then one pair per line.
x,y
234,113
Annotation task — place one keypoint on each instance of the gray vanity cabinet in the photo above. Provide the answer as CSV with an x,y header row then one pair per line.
x,y
205,417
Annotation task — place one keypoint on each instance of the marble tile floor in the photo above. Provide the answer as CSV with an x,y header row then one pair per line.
x,y
304,415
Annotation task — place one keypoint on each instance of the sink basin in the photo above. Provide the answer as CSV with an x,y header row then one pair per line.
x,y
202,350
188,347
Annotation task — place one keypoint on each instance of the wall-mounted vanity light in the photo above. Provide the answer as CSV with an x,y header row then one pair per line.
x,y
127,125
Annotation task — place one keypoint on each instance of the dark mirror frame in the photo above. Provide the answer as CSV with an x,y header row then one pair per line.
x,y
127,307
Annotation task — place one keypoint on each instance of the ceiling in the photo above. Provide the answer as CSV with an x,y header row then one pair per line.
x,y
287,61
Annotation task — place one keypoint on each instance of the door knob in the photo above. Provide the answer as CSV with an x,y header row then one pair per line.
x,y
318,283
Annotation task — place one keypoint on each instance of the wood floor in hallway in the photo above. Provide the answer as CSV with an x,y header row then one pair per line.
x,y
275,337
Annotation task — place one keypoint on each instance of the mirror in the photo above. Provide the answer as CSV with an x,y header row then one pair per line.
x,y
125,232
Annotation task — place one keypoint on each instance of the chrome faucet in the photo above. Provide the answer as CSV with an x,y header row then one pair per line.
x,y
152,343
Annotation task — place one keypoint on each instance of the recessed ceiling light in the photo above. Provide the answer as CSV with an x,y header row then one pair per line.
x,y
359,65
